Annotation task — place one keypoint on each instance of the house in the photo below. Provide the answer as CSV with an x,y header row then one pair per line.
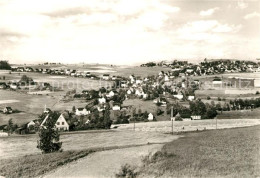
x,y
217,81
112,93
179,96
31,123
3,85
61,123
13,86
82,112
191,98
166,78
123,84
150,117
116,108
257,83
7,110
189,70
102,100
105,77
47,110
198,117
129,92
100,108
186,119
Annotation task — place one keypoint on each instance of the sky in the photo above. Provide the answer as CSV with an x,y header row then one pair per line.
x,y
128,31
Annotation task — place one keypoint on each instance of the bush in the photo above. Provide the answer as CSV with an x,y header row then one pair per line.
x,y
178,118
208,98
127,171
257,93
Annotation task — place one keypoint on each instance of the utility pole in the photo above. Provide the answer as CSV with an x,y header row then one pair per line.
x,y
172,118
134,123
216,123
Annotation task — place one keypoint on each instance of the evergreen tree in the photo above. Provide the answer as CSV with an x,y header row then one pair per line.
x,y
49,136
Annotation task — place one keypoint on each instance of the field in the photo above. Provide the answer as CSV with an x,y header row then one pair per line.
x,y
153,132
15,146
30,106
20,152
225,153
242,114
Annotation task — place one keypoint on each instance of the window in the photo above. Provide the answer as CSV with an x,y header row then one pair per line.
x,y
58,123
62,123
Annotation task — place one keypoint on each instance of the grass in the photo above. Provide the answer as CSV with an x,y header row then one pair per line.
x,y
39,164
36,165
242,114
216,153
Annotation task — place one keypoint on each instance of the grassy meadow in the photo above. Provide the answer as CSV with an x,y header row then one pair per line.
x,y
215,153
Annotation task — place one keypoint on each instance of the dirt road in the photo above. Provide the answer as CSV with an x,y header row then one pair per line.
x,y
105,163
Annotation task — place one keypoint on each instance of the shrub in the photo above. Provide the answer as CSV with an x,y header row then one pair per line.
x,y
257,93
178,118
127,171
208,98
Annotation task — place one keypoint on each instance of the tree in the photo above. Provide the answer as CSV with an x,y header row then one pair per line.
x,y
49,136
25,80
4,65
106,116
73,109
10,126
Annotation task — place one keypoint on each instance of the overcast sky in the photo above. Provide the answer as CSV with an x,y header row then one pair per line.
x,y
128,31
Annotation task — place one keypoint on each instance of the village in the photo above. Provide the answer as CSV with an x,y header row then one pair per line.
x,y
175,93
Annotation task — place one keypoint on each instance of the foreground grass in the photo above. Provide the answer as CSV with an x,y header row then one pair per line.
x,y
36,165
215,153
40,164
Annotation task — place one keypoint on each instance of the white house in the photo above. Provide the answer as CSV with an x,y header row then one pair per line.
x,y
191,98
179,96
150,117
166,78
116,108
186,119
129,92
111,94
7,110
217,81
61,123
257,83
82,112
196,117
106,77
13,86
102,100
31,123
